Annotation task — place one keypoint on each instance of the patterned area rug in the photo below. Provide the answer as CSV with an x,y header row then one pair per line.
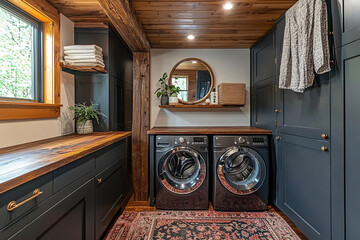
x,y
176,225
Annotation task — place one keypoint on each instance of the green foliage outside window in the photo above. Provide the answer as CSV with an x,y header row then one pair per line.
x,y
16,50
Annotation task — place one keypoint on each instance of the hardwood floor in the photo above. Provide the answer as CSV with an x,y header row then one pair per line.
x,y
138,206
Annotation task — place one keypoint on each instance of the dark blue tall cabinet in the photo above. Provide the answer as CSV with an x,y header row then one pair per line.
x,y
315,134
113,91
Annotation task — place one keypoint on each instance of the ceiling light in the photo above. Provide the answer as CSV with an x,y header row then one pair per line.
x,y
191,37
228,6
194,61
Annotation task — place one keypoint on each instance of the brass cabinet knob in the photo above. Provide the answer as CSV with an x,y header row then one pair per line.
x,y
277,110
324,136
278,138
99,180
323,148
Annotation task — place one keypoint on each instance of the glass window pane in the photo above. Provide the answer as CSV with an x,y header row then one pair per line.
x,y
16,56
180,82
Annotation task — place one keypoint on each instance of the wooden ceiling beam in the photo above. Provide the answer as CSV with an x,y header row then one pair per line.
x,y
122,16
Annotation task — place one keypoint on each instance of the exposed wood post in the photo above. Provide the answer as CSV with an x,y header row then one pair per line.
x,y
123,17
141,124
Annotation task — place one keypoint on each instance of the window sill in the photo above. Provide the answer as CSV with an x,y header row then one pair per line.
x,y
28,110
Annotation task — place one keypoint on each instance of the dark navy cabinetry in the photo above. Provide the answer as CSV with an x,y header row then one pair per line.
x,y
70,218
79,200
304,184
350,78
301,126
263,56
112,90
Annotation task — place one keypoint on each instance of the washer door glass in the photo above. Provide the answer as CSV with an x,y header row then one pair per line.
x,y
182,170
241,170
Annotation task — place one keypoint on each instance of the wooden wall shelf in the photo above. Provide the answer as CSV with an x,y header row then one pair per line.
x,y
184,106
73,69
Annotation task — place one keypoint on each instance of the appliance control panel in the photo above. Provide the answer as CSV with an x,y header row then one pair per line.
x,y
191,140
252,140
166,141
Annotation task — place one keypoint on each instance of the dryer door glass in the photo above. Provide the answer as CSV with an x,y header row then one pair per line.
x,y
241,170
182,170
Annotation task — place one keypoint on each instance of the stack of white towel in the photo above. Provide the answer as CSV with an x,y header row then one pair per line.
x,y
83,55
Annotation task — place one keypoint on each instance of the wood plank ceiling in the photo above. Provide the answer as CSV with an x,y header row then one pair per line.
x,y
83,12
168,22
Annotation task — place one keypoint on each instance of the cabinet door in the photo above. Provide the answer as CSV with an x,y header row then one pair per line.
x,y
305,114
351,18
116,104
264,58
280,27
263,101
71,218
128,106
304,184
351,73
108,196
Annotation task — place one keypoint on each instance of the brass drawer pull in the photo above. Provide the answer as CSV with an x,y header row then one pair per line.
x,y
13,205
324,136
277,110
99,180
324,148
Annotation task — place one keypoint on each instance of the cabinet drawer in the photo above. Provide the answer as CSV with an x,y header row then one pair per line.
x,y
111,154
20,195
108,196
71,217
69,173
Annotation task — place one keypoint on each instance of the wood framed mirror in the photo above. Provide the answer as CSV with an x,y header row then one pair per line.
x,y
195,79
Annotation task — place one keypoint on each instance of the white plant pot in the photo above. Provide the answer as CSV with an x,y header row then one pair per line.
x,y
85,128
173,100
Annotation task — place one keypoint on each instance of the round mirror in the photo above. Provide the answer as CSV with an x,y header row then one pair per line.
x,y
194,78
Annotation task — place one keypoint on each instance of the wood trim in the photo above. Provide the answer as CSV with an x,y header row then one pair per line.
x,y
208,130
141,124
98,69
27,110
49,16
123,17
211,74
195,106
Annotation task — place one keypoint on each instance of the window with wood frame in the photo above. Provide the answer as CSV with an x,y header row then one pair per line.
x,y
29,60
183,83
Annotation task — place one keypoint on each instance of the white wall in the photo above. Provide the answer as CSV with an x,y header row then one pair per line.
x,y
228,65
22,131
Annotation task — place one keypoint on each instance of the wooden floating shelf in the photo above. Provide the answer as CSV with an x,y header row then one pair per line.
x,y
184,106
67,67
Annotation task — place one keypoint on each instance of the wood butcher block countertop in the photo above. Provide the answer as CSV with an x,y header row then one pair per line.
x,y
23,163
207,130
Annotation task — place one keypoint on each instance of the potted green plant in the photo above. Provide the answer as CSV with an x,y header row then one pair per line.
x,y
173,94
165,91
84,116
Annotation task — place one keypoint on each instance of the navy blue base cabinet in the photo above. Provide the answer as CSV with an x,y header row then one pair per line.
x,y
71,218
79,200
